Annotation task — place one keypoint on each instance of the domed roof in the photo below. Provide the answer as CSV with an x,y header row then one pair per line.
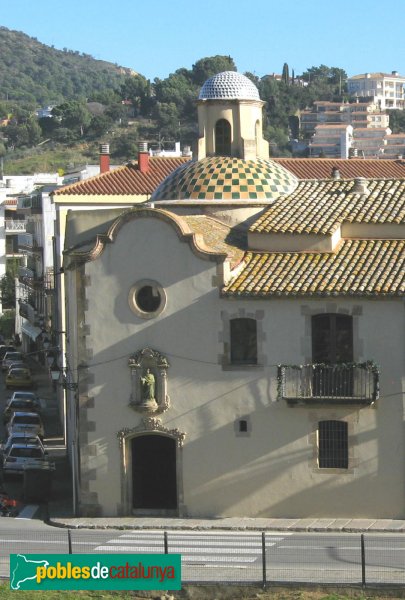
x,y
226,178
229,85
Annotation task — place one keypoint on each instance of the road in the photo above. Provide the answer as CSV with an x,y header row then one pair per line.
x,y
226,556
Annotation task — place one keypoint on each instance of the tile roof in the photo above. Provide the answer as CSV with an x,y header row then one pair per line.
x,y
126,180
218,236
319,207
321,168
358,268
374,75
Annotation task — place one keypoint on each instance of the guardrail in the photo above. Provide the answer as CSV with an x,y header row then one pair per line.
x,y
239,558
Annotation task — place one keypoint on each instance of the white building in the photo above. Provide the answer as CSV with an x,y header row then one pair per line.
x,y
236,346
385,89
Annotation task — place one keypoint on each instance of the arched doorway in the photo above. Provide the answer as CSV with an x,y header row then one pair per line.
x,y
154,477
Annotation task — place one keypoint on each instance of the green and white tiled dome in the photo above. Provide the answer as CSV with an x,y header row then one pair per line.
x,y
226,178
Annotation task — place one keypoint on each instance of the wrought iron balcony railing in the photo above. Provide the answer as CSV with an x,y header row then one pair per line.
x,y
348,383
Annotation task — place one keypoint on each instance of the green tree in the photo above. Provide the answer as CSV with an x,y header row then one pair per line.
x,y
286,74
205,68
99,125
7,289
73,115
397,121
138,90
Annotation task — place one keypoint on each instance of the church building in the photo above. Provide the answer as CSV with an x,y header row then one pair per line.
x,y
236,343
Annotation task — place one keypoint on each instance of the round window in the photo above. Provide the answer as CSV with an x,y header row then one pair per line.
x,y
147,299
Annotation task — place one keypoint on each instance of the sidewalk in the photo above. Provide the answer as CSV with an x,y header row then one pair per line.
x,y
230,524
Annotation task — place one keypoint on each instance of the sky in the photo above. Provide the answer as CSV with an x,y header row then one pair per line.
x,y
157,37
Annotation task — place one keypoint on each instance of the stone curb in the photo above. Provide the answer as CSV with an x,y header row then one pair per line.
x,y
371,527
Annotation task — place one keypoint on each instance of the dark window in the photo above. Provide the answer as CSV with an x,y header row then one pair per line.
x,y
333,445
332,344
222,138
243,426
148,298
243,341
332,338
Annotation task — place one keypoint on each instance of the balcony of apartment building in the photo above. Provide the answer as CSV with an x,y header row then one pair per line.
x,y
14,225
29,244
12,248
30,204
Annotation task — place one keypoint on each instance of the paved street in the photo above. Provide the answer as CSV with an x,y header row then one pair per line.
x,y
53,436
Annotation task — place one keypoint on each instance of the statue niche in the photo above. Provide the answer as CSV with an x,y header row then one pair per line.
x,y
149,381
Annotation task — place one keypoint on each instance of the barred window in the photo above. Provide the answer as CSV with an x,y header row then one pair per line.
x,y
333,451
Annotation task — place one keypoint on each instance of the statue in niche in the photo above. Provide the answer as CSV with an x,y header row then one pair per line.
x,y
148,386
149,381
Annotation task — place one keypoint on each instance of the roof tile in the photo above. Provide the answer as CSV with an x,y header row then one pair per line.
x,y
126,180
319,207
321,168
358,268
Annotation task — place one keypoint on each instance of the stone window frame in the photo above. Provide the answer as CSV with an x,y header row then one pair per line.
x,y
332,415
238,432
224,338
308,311
331,450
132,299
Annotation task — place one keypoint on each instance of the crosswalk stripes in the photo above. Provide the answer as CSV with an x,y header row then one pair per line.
x,y
195,547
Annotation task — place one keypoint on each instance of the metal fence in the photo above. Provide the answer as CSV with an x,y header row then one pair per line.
x,y
250,558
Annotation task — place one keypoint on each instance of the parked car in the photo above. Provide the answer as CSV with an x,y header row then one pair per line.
x,y
18,363
19,378
25,423
22,438
6,348
25,394
20,405
21,456
11,357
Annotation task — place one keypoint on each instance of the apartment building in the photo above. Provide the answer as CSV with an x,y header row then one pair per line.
x,y
387,90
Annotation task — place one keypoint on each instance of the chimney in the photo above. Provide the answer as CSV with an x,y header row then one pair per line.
x,y
143,157
335,173
104,158
360,186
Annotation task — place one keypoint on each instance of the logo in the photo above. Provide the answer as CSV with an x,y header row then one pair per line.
x,y
95,571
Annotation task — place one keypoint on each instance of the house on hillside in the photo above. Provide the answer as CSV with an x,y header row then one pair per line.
x,y
235,345
385,89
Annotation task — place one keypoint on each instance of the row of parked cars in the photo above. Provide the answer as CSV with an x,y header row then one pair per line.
x,y
23,448
17,373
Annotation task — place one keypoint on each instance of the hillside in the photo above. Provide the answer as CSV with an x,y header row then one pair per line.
x,y
39,74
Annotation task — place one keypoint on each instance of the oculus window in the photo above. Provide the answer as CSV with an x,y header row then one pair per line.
x,y
147,299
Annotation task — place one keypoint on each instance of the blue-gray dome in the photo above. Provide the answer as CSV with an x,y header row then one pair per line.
x,y
229,85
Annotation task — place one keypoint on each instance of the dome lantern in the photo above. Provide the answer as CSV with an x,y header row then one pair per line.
x,y
230,118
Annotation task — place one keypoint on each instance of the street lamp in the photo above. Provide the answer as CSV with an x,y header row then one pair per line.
x,y
58,375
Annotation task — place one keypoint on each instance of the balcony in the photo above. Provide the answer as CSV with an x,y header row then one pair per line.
x,y
349,383
14,226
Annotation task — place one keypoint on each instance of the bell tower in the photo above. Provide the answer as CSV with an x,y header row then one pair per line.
x,y
230,118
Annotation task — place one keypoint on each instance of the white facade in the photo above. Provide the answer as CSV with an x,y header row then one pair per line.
x,y
387,90
173,410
